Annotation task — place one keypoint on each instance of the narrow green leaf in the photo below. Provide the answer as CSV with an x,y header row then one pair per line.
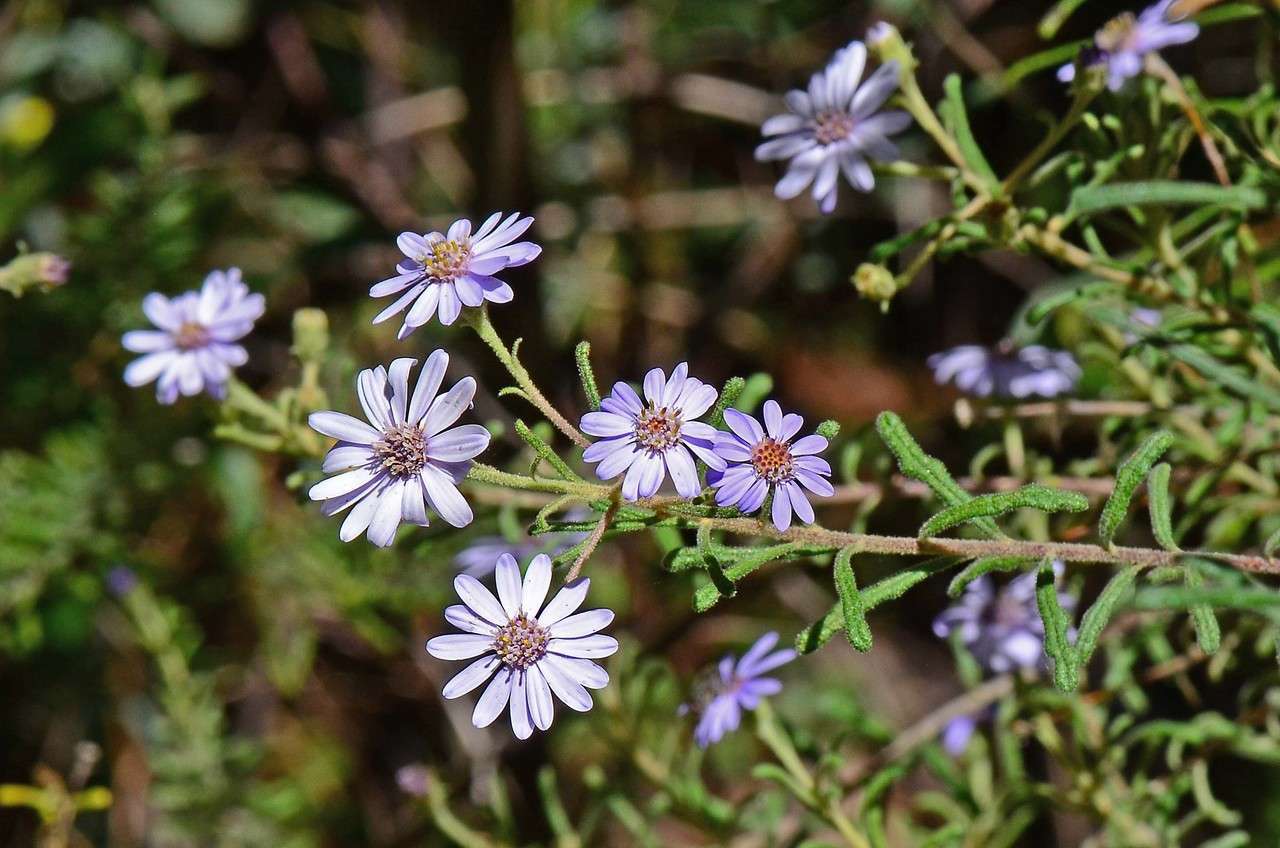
x,y
728,397
1208,632
1129,476
1056,626
1272,545
890,588
1160,506
1049,304
986,565
726,574
855,615
1228,377
1096,617
957,118
918,465
1033,496
582,354
1089,198
1056,17
544,452
1267,317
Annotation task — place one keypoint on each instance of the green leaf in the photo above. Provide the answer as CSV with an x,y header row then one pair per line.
x,y
1096,617
1129,476
544,451
986,565
1267,317
1160,506
217,23
1057,645
1229,378
728,397
851,605
1054,57
1056,17
1208,632
1087,199
312,216
582,355
1033,496
725,576
957,118
890,588
918,465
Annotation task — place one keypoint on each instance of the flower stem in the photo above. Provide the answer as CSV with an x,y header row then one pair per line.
x,y
479,321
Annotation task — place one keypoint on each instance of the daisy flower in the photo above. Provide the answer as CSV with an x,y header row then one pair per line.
x,y
1125,41
734,686
1005,372
651,438
404,458
526,651
444,272
1001,628
833,128
194,348
763,460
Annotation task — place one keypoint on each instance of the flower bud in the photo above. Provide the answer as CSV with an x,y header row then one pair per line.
x,y
875,283
43,271
310,334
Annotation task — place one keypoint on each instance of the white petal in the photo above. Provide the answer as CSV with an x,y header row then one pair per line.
x,y
585,672
509,585
495,697
343,457
521,721
370,388
654,382
145,369
398,380
465,619
343,483
683,472
146,341
428,384
459,444
414,505
445,409
343,427
479,599
386,520
607,424
537,579
590,647
567,689
445,497
458,646
565,602
541,707
471,676
357,521
582,624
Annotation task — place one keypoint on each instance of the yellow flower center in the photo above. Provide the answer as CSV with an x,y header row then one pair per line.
x,y
1117,33
447,259
772,460
658,428
402,450
191,335
830,127
521,643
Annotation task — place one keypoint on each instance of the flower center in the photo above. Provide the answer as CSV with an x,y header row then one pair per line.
x,y
1117,33
830,127
448,259
402,450
658,428
521,643
772,460
191,335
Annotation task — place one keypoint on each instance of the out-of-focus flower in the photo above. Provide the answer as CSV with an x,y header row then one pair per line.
x,y
876,283
878,32
528,650
1002,629
404,459
761,460
1004,372
479,558
958,732
193,350
833,128
26,271
734,686
414,780
1126,39
444,272
648,440
121,580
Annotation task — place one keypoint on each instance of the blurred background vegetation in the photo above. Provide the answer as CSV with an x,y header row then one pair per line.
x,y
263,684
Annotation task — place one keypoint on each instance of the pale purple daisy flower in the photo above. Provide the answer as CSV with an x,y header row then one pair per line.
x,y
404,459
761,460
734,686
194,348
1125,41
530,651
447,271
1004,372
832,128
1001,628
649,439
414,780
